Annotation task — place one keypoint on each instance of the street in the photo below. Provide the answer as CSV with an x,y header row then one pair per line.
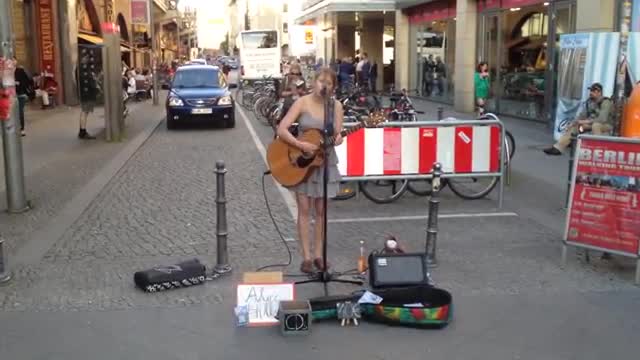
x,y
73,297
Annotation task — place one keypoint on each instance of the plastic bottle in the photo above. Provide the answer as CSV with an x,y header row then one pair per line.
x,y
362,261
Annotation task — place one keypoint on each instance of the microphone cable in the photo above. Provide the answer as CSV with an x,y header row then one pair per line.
x,y
275,225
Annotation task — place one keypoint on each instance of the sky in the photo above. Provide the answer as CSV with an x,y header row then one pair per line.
x,y
211,21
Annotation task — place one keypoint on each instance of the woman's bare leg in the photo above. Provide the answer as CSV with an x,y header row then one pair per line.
x,y
304,210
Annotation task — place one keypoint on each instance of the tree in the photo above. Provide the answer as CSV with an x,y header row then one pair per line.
x,y
224,46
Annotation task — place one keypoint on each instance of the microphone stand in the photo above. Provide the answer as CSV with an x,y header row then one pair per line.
x,y
325,276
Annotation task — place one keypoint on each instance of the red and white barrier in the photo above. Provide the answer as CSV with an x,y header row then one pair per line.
x,y
413,150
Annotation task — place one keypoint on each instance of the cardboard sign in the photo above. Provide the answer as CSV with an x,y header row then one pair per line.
x,y
604,212
262,301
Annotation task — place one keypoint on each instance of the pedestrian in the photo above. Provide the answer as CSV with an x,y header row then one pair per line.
x,y
346,71
226,69
294,87
481,82
88,92
594,117
366,69
359,66
24,90
440,74
308,111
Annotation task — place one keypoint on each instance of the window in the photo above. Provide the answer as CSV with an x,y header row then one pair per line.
x,y
197,78
285,7
260,40
285,28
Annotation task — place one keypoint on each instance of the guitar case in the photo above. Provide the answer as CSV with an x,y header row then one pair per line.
x,y
424,307
165,277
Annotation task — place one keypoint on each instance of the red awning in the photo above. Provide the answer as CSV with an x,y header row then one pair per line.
x,y
505,4
437,10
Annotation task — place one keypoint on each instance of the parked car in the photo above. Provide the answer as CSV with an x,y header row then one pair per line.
x,y
199,93
232,63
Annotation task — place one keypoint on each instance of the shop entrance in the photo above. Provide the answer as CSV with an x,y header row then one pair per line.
x,y
519,44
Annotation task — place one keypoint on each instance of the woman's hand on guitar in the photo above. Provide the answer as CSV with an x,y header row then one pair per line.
x,y
307,147
338,140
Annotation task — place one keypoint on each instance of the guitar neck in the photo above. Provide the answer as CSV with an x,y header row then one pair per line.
x,y
349,131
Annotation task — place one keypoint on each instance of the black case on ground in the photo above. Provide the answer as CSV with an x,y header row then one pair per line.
x,y
165,277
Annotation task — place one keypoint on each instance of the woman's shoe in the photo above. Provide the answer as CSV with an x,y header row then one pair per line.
x,y
306,267
320,264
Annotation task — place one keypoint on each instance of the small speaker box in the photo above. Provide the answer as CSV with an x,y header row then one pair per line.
x,y
397,270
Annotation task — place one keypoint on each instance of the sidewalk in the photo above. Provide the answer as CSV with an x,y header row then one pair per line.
x,y
58,165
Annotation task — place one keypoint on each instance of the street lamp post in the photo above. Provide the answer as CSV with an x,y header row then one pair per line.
x,y
11,140
154,61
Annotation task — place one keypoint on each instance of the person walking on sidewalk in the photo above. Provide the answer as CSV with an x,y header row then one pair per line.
x,y
481,81
24,90
373,77
88,93
594,116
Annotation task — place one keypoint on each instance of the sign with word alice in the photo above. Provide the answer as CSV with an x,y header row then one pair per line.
x,y
44,14
262,301
604,209
140,12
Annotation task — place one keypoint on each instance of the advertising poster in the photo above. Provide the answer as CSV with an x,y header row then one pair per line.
x,y
633,52
584,58
604,211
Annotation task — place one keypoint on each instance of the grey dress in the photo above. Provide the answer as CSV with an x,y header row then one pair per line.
x,y
312,187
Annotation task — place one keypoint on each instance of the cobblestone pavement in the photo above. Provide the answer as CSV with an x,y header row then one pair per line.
x,y
58,165
513,299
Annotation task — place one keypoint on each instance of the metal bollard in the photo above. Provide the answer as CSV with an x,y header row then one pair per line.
x,y
432,225
572,155
440,112
5,274
222,254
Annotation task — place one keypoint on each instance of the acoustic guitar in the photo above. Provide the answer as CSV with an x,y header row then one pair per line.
x,y
290,166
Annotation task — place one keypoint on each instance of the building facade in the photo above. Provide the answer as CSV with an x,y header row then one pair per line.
x,y
517,38
49,34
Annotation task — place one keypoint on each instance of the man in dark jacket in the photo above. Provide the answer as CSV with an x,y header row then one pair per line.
x,y
24,90
88,89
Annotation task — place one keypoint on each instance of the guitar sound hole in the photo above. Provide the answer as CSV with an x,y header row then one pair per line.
x,y
303,162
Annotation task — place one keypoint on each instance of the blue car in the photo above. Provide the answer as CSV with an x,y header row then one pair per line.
x,y
199,93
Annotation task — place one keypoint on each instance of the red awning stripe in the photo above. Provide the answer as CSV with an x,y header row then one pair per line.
x,y
437,10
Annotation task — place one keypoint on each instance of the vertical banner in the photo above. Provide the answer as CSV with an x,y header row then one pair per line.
x,y
140,12
633,65
604,209
584,58
44,16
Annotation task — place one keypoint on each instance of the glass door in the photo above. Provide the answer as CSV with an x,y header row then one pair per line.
x,y
489,42
563,21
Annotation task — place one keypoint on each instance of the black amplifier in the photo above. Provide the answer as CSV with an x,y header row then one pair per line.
x,y
397,270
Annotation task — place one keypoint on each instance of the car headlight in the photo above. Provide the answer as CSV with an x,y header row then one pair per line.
x,y
225,100
174,101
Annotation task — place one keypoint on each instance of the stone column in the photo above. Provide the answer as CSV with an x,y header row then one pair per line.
x,y
587,22
68,35
346,36
371,43
465,55
403,54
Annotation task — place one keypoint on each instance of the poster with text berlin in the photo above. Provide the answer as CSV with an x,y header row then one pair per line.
x,y
604,211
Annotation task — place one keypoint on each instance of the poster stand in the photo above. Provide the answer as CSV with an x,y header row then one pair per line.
x,y
604,205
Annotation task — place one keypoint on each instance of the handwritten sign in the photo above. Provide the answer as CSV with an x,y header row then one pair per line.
x,y
262,301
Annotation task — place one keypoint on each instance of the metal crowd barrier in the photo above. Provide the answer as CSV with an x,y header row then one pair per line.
x,y
408,150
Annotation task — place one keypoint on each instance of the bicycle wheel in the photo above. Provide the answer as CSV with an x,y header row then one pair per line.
x,y
383,191
510,144
472,188
346,190
423,187
258,110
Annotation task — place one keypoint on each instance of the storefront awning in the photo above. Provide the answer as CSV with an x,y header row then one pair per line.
x,y
96,40
437,10
321,8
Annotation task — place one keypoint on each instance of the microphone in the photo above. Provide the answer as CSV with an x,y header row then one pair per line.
x,y
324,90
